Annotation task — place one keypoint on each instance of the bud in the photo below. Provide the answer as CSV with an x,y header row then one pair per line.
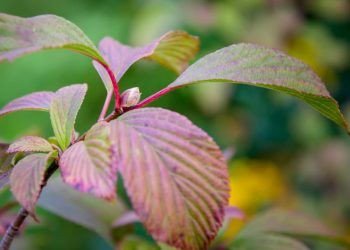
x,y
130,97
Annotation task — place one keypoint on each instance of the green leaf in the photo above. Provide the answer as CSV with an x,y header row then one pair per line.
x,y
296,224
87,165
268,242
30,144
27,178
175,176
258,66
63,111
20,36
82,209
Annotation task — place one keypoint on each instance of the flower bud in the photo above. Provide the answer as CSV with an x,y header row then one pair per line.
x,y
130,97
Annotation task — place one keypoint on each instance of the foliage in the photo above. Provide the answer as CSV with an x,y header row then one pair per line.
x,y
173,172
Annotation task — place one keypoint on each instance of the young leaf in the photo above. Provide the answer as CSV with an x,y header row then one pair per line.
x,y
27,179
63,111
20,36
87,165
258,66
30,144
268,242
175,175
173,50
36,101
82,209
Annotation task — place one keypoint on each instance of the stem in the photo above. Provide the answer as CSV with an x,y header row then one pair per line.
x,y
150,99
115,86
13,229
105,106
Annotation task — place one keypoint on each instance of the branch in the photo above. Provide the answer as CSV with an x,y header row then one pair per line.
x,y
13,229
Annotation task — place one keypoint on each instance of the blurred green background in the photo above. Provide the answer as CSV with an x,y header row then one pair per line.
x,y
286,153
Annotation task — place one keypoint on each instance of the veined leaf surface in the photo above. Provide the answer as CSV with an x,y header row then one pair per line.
x,y
30,144
174,174
20,36
36,101
27,179
63,111
258,66
173,50
87,165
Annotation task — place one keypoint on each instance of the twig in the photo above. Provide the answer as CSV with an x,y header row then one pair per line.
x,y
13,229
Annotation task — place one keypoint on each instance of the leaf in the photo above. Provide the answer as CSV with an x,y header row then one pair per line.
x,y
30,144
132,242
20,36
283,221
293,224
258,66
64,109
5,165
175,176
27,178
36,101
82,209
173,50
87,165
268,242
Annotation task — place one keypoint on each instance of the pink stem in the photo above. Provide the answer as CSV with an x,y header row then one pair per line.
x,y
150,99
115,85
105,106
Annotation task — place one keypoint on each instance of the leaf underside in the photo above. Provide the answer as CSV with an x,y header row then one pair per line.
x,y
63,111
36,101
82,209
27,178
258,66
30,144
20,36
173,50
87,165
174,174
5,165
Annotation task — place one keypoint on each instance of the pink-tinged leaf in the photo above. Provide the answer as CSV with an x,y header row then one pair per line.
x,y
83,209
30,144
126,219
27,179
175,175
232,212
20,36
173,50
87,166
36,101
258,66
63,111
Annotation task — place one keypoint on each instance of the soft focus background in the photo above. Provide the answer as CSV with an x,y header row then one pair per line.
x,y
286,153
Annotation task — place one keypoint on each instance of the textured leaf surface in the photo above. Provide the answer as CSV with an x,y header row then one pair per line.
x,y
173,50
27,179
174,174
267,68
20,36
268,242
30,144
87,165
82,209
35,101
64,109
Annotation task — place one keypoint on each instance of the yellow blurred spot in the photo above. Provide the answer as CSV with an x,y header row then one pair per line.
x,y
254,184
